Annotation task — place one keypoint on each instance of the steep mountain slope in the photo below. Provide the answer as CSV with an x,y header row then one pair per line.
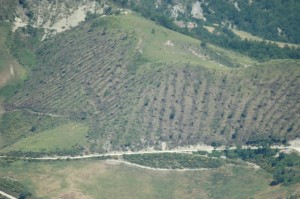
x,y
138,85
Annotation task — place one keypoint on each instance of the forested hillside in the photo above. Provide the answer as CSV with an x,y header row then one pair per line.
x,y
274,20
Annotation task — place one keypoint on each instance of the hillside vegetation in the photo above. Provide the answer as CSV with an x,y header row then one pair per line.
x,y
136,85
85,83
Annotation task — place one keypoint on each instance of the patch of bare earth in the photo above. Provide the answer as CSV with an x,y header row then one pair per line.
x,y
56,17
139,46
197,11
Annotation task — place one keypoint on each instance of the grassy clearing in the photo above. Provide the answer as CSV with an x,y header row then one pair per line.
x,y
159,44
94,179
249,36
62,137
236,58
19,124
152,40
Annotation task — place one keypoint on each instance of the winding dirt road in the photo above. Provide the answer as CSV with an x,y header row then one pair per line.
x,y
187,150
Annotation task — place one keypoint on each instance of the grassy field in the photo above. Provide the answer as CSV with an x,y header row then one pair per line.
x,y
17,125
64,137
101,179
159,44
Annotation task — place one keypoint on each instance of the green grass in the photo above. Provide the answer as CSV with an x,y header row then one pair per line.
x,y
94,179
234,57
237,183
26,57
153,44
62,137
19,124
152,40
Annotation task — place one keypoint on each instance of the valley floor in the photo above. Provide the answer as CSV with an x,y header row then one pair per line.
x,y
112,165
87,179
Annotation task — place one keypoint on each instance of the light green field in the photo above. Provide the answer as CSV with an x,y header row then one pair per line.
x,y
234,56
159,44
18,124
100,179
62,137
154,46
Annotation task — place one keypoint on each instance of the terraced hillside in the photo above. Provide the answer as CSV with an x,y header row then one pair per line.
x,y
137,85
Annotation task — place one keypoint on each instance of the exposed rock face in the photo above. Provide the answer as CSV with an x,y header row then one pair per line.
x,y
177,9
57,16
197,11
